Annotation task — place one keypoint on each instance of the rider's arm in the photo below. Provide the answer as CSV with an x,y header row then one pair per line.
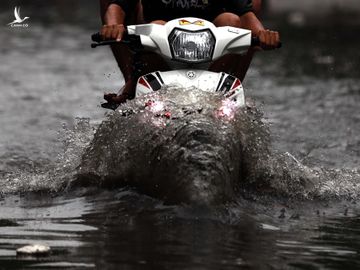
x,y
244,9
113,14
268,39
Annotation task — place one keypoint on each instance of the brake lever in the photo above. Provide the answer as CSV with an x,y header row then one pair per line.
x,y
105,43
132,41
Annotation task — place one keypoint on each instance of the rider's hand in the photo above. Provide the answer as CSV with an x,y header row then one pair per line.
x,y
113,31
269,40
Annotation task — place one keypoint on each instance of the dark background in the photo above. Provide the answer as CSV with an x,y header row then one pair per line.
x,y
86,12
79,12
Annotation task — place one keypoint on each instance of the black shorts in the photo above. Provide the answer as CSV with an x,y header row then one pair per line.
x,y
171,9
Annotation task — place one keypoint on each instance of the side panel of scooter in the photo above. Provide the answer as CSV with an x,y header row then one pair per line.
x,y
231,40
149,83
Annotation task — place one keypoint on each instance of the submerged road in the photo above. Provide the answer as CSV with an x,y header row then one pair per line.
x,y
309,93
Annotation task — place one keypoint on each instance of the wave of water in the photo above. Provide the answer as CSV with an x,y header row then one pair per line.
x,y
194,157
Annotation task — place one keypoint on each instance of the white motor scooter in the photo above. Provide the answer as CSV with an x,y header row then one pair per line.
x,y
189,45
177,144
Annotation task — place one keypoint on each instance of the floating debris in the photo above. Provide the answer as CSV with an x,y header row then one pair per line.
x,y
34,250
8,223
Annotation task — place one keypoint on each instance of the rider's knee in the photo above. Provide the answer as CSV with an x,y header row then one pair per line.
x,y
227,19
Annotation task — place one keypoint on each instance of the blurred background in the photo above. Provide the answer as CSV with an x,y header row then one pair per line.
x,y
82,11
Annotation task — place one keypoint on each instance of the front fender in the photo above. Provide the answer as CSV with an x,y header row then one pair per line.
x,y
207,81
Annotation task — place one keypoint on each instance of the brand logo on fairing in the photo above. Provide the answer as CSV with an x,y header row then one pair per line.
x,y
18,22
191,74
186,22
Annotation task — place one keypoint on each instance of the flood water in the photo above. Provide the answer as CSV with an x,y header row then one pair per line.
x,y
52,84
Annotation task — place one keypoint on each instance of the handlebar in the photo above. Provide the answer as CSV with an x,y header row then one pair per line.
x,y
133,41
255,41
96,37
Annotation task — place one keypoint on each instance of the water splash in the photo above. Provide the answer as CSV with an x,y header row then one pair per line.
x,y
182,150
193,156
52,176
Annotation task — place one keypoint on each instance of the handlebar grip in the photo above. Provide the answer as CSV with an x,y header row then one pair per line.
x,y
96,37
133,41
255,41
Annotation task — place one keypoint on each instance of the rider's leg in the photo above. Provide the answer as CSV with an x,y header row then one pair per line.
x,y
134,66
123,56
236,65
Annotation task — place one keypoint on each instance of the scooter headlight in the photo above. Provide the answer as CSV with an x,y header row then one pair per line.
x,y
193,47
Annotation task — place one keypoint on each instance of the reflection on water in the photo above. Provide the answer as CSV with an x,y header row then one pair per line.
x,y
122,228
310,105
42,219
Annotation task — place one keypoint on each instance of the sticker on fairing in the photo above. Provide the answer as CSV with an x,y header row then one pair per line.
x,y
186,22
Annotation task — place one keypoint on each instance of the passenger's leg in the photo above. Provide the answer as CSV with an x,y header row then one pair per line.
x,y
122,55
